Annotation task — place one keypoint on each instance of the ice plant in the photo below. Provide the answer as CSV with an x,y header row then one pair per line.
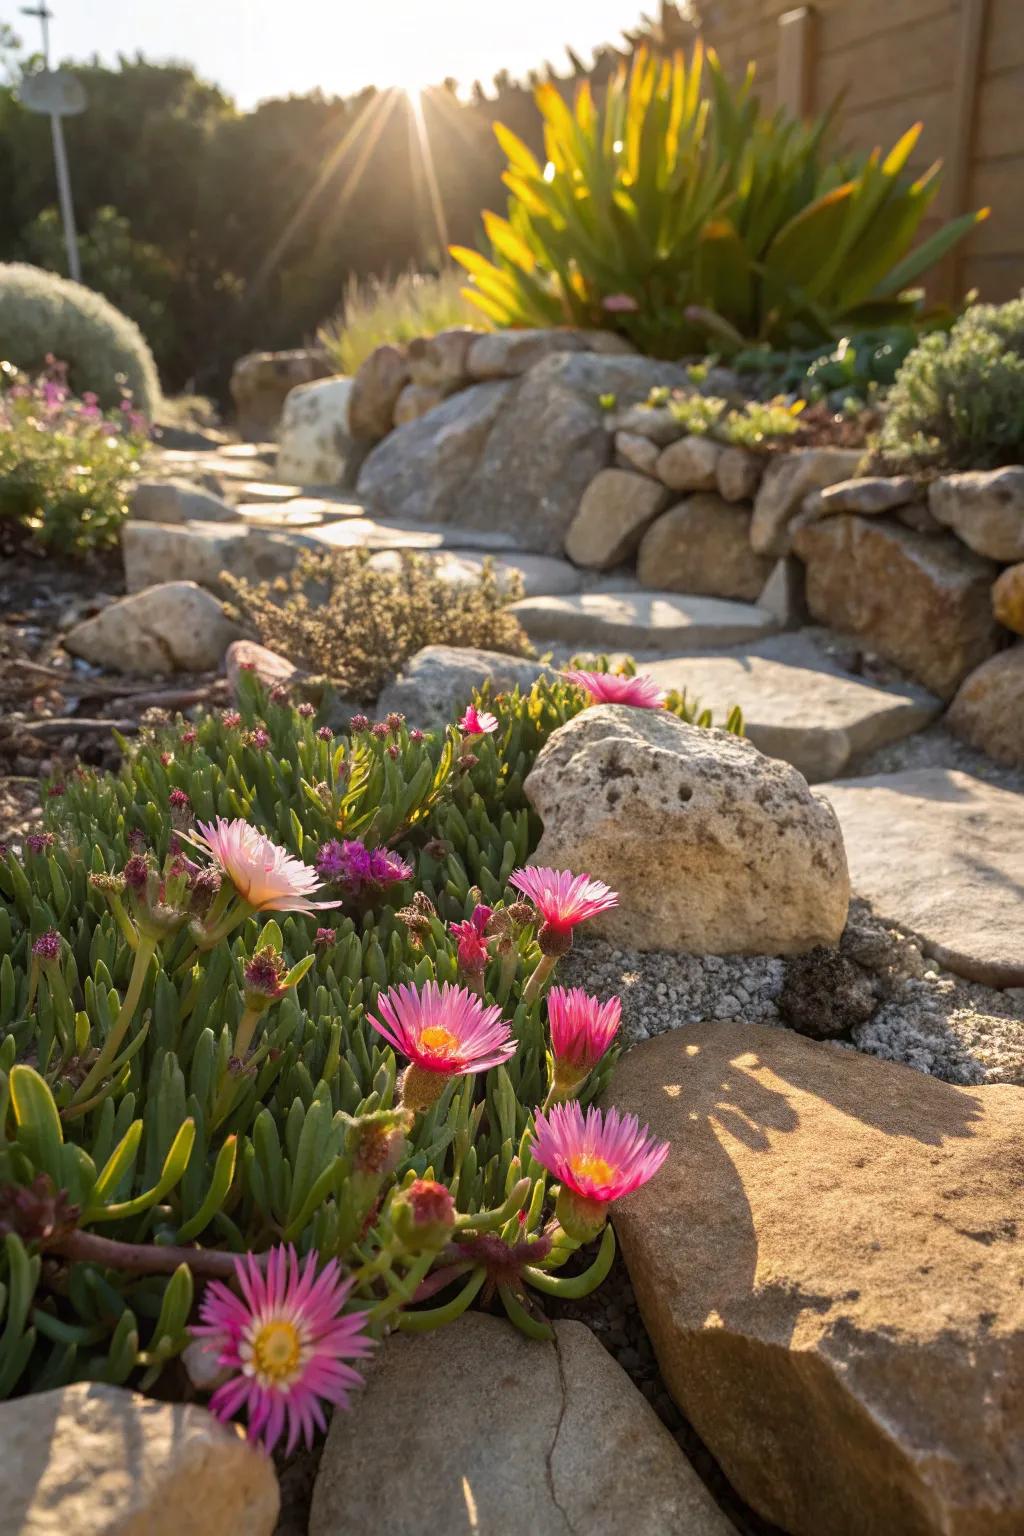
x,y
478,722
286,1342
615,688
361,872
563,900
596,1158
582,1028
423,1215
445,1031
471,938
266,878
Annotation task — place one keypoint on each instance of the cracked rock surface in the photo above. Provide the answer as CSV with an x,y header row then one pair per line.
x,y
498,1435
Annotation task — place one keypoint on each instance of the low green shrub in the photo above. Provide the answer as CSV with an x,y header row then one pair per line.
x,y
43,316
65,465
958,399
857,369
340,617
188,1068
394,310
751,425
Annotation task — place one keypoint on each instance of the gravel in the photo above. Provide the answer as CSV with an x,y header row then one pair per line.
x,y
926,1017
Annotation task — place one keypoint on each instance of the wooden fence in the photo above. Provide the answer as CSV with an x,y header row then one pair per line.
x,y
955,65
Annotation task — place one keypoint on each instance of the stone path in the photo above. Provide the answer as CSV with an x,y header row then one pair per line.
x,y
644,621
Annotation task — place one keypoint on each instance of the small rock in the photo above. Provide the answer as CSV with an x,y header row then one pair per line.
x,y
415,401
439,362
738,474
703,546
247,656
712,847
825,994
918,517
988,711
867,494
788,478
438,683
920,602
380,379
616,507
784,594
637,452
177,501
156,552
571,1444
93,1460
315,444
656,423
690,464
984,508
1008,598
174,627
261,382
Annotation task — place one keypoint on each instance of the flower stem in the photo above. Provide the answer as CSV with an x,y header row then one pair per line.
x,y
126,1012
143,1258
545,965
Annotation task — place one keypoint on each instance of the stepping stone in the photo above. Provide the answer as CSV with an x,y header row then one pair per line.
x,y
286,514
829,1266
651,621
798,705
942,854
570,1444
267,490
368,533
541,575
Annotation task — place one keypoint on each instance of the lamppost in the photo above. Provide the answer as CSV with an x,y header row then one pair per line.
x,y
51,102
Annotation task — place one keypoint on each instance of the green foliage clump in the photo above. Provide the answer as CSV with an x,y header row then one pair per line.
x,y
751,425
681,213
65,465
340,617
43,316
393,310
855,369
958,399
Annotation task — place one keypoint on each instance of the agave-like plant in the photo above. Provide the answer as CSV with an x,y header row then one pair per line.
x,y
678,212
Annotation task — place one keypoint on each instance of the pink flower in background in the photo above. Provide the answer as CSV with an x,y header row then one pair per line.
x,y
471,937
582,1028
619,304
478,722
263,874
286,1342
600,1156
443,1029
359,869
563,899
612,688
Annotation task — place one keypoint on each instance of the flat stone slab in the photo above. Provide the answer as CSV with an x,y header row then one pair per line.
x,y
368,533
541,575
474,1430
267,490
942,854
798,705
650,621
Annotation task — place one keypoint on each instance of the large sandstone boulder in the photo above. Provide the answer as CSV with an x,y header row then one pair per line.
x,y
829,1268
514,454
262,381
93,1460
713,848
438,683
984,508
919,601
314,443
176,626
788,478
988,710
941,853
570,1444
703,546
616,507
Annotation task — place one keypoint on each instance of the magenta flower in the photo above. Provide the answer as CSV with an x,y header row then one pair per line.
x,y
612,688
445,1032
563,899
48,946
582,1028
360,870
263,874
471,938
478,722
619,304
286,1341
596,1158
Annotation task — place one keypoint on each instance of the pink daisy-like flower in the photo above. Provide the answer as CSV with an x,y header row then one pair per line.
x,y
286,1342
445,1031
582,1028
612,688
563,899
263,874
471,938
477,722
596,1158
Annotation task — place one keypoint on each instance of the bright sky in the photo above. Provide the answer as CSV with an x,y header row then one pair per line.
x,y
259,48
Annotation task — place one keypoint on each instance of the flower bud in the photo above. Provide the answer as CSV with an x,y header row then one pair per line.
x,y
423,1215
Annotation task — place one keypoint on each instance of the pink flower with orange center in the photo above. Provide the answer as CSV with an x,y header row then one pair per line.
x,y
285,1341
582,1028
563,899
596,1158
445,1031
478,722
612,688
267,877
